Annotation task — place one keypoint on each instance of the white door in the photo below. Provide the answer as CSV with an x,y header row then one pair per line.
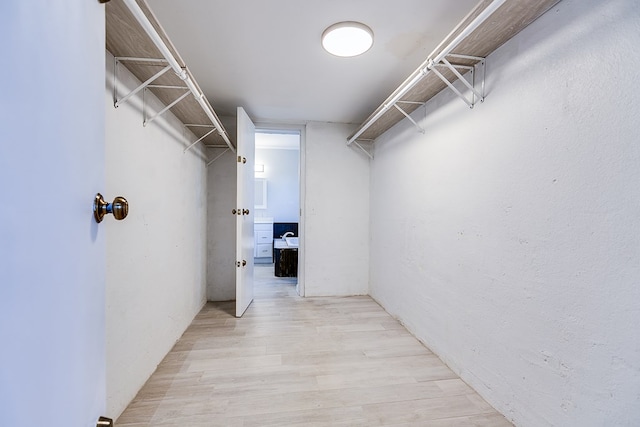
x,y
244,204
52,253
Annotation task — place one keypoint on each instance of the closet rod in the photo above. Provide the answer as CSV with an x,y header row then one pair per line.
x,y
427,66
177,68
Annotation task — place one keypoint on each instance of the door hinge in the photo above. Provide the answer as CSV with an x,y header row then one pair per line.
x,y
242,159
104,422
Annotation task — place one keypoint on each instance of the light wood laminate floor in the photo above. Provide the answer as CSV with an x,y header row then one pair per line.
x,y
294,361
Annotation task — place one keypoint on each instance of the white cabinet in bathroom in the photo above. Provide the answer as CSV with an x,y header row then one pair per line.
x,y
263,235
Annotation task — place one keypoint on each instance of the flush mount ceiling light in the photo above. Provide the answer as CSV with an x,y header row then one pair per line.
x,y
347,39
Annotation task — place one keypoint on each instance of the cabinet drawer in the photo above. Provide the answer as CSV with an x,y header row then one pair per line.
x,y
263,236
266,226
263,251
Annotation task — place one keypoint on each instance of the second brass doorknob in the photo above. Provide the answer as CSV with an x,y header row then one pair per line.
x,y
119,208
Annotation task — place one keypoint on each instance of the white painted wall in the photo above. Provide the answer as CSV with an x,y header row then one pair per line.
x,y
508,237
281,169
156,256
336,209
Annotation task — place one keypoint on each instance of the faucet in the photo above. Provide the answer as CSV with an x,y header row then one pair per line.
x,y
287,234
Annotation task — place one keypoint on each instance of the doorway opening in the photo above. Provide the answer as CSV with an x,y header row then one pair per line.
x,y
277,209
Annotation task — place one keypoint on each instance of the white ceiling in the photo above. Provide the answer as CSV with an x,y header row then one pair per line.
x,y
266,56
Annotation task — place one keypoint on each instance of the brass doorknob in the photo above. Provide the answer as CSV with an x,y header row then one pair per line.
x,y
119,208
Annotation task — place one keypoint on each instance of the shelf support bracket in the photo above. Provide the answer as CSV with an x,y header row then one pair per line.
x,y
119,102
452,87
365,151
217,157
199,139
475,94
470,86
116,62
420,129
161,112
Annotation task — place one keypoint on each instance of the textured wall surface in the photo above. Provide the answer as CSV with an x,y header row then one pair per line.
x,y
336,212
507,237
156,256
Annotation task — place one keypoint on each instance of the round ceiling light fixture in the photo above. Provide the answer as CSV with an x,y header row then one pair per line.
x,y
347,39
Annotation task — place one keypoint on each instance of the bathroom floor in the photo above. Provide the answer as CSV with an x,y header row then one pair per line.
x,y
294,361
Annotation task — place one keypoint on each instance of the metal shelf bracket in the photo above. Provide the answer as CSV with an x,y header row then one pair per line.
x,y
470,83
420,128
149,61
146,120
217,157
213,129
364,150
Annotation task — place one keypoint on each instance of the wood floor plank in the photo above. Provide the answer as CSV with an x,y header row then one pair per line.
x,y
294,361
